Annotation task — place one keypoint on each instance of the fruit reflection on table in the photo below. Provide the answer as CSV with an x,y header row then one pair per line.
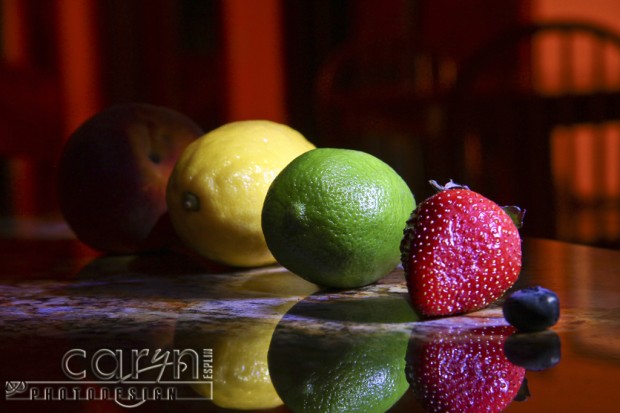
x,y
280,340
342,355
302,345
239,336
361,351
363,354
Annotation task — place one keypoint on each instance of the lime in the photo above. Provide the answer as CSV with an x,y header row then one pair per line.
x,y
328,371
216,191
336,217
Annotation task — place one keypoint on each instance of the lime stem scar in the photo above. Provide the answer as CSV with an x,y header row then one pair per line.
x,y
190,201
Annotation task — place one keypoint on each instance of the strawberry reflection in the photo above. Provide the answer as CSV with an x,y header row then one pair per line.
x,y
462,370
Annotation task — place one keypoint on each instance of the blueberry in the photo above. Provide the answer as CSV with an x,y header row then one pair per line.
x,y
532,309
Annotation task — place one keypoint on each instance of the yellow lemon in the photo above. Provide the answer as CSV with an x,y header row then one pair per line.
x,y
217,189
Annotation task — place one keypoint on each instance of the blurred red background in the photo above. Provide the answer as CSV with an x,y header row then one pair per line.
x,y
221,60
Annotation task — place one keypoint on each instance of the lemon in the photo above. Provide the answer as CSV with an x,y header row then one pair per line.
x,y
336,217
241,372
240,340
217,188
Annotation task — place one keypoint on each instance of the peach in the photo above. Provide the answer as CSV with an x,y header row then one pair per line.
x,y
113,173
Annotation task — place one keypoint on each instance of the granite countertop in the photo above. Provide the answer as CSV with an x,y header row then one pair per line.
x,y
50,303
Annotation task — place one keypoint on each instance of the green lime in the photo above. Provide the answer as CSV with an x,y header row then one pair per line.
x,y
336,217
314,367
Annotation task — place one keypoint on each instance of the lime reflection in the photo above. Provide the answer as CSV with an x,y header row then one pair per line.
x,y
342,355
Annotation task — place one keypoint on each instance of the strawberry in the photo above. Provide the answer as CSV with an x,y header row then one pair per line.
x,y
460,251
463,370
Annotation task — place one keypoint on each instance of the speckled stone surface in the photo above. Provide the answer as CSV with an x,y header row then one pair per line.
x,y
53,298
107,297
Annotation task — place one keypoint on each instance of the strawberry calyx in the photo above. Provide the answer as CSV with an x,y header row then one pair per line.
x,y
450,185
524,392
516,214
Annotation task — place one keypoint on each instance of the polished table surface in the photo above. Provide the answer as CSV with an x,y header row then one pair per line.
x,y
57,296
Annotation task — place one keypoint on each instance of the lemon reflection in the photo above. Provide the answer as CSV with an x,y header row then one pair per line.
x,y
238,326
342,355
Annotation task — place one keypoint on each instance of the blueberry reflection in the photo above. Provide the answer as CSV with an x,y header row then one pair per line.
x,y
534,351
462,369
342,355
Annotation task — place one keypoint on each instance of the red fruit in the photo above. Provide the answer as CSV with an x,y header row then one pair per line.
x,y
113,172
457,370
461,251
